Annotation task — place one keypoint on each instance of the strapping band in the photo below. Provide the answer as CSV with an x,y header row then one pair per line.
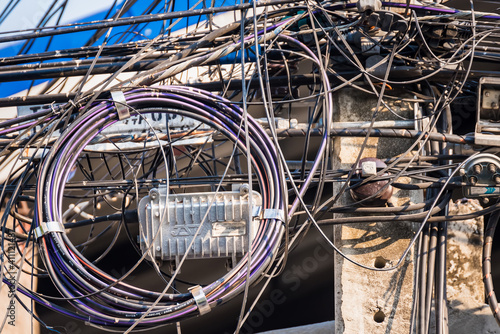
x,y
120,104
256,211
47,227
274,214
200,299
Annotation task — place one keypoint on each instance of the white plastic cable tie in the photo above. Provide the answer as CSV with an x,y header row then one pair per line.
x,y
47,227
200,299
274,214
120,104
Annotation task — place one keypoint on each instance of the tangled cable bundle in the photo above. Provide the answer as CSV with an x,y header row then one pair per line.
x,y
104,300
366,115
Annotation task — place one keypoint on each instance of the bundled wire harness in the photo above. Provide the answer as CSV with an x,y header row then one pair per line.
x,y
105,300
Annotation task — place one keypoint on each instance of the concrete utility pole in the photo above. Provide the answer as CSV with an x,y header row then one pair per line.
x,y
372,301
382,301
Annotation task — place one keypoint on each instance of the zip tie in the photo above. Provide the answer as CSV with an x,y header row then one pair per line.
x,y
47,227
120,104
274,214
200,299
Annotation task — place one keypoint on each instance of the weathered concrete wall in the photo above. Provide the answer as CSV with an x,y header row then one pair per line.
x,y
467,310
381,302
369,301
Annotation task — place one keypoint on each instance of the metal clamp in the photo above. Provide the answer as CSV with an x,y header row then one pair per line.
x,y
200,299
256,211
274,214
120,104
47,227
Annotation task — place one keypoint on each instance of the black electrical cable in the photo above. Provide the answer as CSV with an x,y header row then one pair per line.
x,y
129,216
96,25
388,133
396,218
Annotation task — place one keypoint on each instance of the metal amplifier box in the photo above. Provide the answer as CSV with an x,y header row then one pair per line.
x,y
481,176
169,222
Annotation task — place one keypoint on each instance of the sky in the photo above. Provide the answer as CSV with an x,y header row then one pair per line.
x,y
18,15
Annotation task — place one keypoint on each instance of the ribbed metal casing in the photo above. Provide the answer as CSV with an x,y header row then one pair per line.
x,y
169,222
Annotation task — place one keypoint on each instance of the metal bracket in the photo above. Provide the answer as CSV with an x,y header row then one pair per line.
x,y
274,214
256,211
47,227
200,299
120,104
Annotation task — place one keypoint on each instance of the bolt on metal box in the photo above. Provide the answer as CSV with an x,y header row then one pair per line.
x,y
488,112
481,175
